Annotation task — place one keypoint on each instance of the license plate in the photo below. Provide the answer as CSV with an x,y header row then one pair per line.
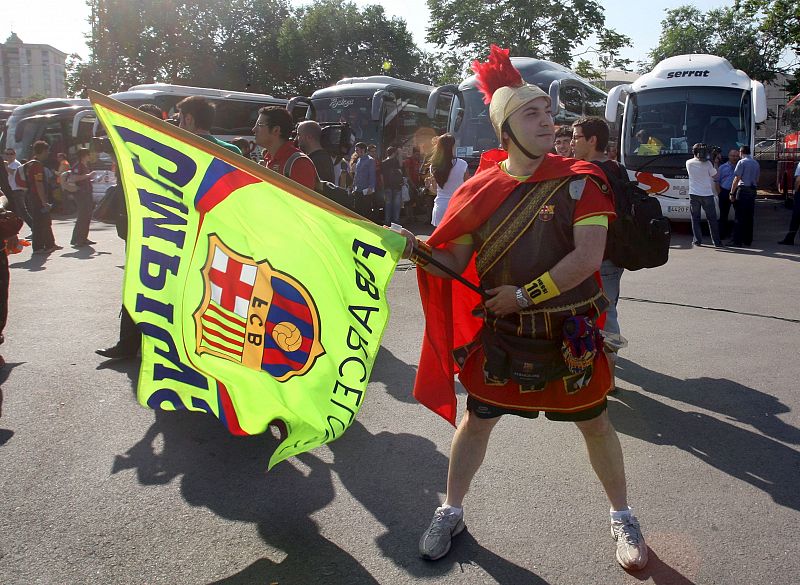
x,y
678,209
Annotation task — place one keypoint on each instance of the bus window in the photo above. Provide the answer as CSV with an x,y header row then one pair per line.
x,y
353,110
235,118
55,134
403,119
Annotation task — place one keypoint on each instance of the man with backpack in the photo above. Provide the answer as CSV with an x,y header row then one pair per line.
x,y
589,143
272,131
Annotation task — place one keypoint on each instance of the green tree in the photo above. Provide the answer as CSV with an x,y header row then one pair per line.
x,y
331,39
725,32
545,29
780,21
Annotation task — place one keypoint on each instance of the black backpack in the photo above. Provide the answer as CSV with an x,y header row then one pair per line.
x,y
330,190
640,236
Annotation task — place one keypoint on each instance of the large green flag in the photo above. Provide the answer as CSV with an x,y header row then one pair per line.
x,y
258,300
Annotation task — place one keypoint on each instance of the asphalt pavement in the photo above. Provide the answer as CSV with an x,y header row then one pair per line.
x,y
95,488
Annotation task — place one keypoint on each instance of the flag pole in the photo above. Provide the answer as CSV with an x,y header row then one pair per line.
x,y
450,272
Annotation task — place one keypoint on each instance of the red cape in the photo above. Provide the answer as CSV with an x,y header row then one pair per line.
x,y
448,304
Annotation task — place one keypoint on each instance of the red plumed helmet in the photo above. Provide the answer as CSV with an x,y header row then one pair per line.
x,y
497,72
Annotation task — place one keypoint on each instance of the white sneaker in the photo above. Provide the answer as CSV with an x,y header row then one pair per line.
x,y
436,540
631,547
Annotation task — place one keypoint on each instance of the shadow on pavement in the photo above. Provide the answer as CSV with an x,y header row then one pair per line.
x,y
32,264
660,572
228,475
401,493
395,374
5,436
761,461
84,253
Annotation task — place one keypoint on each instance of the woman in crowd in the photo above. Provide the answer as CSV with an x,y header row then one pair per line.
x,y
447,174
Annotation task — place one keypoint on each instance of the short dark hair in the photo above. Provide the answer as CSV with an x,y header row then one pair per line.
x,y
154,110
278,116
371,146
200,109
361,145
744,149
564,132
594,127
40,146
700,149
83,152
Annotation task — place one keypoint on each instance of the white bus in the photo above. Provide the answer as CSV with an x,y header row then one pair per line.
x,y
468,121
685,100
381,110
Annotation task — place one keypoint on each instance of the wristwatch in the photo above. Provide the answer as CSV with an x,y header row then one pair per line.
x,y
522,299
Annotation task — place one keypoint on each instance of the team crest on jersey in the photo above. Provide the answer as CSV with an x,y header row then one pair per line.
x,y
255,315
547,212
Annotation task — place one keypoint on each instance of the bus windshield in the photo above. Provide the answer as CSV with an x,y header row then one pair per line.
x,y
665,123
790,124
354,110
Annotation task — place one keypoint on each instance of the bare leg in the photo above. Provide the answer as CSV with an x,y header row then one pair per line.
x,y
605,455
466,455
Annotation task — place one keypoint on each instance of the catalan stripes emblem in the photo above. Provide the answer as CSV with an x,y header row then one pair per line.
x,y
255,315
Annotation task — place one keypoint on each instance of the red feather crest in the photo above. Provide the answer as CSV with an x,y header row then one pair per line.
x,y
497,72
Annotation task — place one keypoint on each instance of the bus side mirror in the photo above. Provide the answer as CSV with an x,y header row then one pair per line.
x,y
555,96
759,102
433,98
612,102
301,101
377,103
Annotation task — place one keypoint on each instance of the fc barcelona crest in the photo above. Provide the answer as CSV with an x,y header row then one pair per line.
x,y
255,315
547,212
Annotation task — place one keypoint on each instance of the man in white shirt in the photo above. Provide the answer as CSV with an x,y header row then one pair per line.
x,y
701,194
17,195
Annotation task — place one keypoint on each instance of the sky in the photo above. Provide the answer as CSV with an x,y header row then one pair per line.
x,y
66,27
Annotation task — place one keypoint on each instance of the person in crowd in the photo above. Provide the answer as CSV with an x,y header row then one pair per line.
x,y
447,174
196,115
364,180
411,169
17,196
84,201
725,182
63,200
589,142
647,144
130,338
701,194
743,196
556,248
10,225
794,222
392,186
563,143
272,131
38,201
309,135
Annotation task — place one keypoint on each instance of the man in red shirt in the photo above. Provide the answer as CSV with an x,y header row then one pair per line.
x,y
38,201
272,131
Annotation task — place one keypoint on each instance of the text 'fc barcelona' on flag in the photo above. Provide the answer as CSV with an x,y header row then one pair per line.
x,y
258,300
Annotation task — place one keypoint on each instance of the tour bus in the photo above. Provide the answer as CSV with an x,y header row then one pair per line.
x,y
379,109
468,119
66,125
789,153
685,100
236,111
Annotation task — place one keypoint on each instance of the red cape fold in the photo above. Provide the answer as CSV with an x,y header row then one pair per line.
x,y
447,304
